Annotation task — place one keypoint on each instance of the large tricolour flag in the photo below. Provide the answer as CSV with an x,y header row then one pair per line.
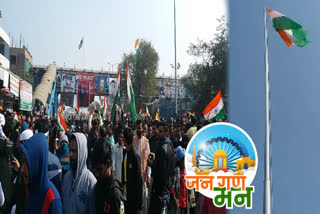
x,y
290,31
131,96
116,97
215,108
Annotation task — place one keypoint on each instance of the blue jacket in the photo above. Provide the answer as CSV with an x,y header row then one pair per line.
x,y
41,194
54,170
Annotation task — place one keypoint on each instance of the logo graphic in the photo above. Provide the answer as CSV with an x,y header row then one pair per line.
x,y
221,163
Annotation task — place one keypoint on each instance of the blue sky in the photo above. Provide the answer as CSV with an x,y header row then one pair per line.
x,y
53,29
294,86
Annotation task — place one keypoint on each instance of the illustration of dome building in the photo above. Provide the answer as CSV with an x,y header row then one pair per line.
x,y
245,163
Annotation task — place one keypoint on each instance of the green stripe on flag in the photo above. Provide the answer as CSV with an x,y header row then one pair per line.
x,y
135,56
220,115
132,106
299,33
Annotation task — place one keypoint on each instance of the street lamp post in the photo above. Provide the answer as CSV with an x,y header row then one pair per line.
x,y
175,58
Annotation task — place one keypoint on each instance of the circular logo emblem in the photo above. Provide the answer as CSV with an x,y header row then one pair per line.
x,y
221,162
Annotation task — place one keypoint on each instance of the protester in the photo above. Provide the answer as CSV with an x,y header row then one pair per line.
x,y
119,151
5,168
132,179
42,196
78,183
177,138
54,166
62,153
154,139
141,145
20,187
120,163
162,167
24,126
108,189
16,132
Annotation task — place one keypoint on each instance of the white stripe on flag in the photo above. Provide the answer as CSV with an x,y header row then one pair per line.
x,y
211,114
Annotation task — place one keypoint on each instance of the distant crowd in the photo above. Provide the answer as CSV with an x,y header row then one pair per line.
x,y
97,166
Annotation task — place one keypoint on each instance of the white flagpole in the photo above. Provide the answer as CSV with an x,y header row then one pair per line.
x,y
267,185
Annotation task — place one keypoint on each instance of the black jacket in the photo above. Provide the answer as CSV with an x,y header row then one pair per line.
x,y
108,194
161,168
153,143
134,181
6,175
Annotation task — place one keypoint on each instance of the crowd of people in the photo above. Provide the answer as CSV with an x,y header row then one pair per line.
x,y
97,166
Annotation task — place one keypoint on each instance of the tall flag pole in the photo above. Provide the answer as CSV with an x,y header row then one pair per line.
x,y
116,97
131,96
267,184
291,33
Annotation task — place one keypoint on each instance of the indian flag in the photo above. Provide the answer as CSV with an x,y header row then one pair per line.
x,y
62,107
140,113
131,96
77,109
116,97
215,108
136,44
81,43
61,124
16,119
147,111
290,31
157,116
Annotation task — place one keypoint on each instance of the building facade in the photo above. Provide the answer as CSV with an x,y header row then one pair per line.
x,y
20,61
4,49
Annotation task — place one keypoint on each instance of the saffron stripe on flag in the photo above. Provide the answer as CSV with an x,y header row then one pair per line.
x,y
213,103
